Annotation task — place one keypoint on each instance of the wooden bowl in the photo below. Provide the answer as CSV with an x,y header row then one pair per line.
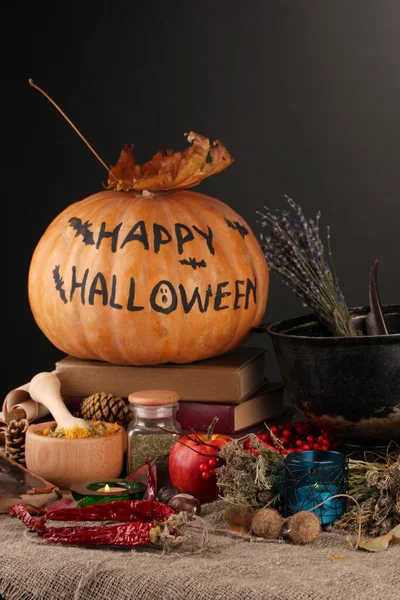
x,y
65,461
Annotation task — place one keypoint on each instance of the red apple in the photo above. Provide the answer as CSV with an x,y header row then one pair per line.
x,y
192,463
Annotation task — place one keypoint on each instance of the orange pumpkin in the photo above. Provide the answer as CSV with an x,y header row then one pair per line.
x,y
149,271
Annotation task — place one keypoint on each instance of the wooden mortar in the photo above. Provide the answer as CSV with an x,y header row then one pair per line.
x,y
65,461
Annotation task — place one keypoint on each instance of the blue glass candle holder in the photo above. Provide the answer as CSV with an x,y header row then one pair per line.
x,y
311,477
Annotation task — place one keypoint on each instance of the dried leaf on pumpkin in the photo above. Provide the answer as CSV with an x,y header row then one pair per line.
x,y
169,170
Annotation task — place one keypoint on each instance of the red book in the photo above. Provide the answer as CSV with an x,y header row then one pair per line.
x,y
265,404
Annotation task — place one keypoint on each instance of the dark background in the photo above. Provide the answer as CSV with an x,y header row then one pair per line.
x,y
304,93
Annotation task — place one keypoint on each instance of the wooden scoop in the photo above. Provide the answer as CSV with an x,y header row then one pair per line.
x,y
45,388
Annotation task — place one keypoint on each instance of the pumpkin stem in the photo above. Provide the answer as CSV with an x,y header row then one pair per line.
x,y
70,122
211,429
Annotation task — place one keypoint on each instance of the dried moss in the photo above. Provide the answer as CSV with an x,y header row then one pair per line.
x,y
245,478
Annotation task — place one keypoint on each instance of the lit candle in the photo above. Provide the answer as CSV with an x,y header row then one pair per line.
x,y
308,496
99,492
108,490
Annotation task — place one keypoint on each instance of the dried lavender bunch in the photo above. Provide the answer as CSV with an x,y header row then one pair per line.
x,y
294,249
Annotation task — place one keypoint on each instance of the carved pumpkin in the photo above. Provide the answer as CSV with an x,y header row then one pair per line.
x,y
148,271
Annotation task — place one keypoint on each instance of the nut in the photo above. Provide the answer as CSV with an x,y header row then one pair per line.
x,y
185,502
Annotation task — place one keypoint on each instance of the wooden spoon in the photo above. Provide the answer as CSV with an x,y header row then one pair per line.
x,y
45,388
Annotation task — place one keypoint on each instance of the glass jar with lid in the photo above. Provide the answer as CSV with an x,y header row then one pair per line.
x,y
153,431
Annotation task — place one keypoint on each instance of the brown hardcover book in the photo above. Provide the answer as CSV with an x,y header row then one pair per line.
x,y
266,403
228,378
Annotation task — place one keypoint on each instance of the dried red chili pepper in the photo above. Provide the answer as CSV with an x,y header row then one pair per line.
x,y
124,534
118,510
38,525
20,511
151,483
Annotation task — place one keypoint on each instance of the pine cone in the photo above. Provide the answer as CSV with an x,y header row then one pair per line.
x,y
105,407
15,440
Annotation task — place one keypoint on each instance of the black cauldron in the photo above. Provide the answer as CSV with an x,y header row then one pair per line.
x,y
350,385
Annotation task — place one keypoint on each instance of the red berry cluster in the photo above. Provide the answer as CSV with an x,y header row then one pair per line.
x,y
208,468
294,436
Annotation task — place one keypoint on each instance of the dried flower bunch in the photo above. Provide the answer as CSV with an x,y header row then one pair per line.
x,y
294,249
93,429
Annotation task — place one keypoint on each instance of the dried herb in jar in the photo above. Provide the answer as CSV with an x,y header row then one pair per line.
x,y
153,430
152,447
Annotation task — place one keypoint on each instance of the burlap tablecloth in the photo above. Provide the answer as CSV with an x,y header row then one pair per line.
x,y
230,568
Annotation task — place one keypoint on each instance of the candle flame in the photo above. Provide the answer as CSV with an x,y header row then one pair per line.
x,y
106,488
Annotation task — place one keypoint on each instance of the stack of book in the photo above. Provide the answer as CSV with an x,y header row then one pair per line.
x,y
232,387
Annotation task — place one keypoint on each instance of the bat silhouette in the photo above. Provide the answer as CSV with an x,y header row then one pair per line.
x,y
82,229
193,263
236,225
59,283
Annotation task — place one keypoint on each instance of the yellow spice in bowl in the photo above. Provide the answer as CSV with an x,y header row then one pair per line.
x,y
93,429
